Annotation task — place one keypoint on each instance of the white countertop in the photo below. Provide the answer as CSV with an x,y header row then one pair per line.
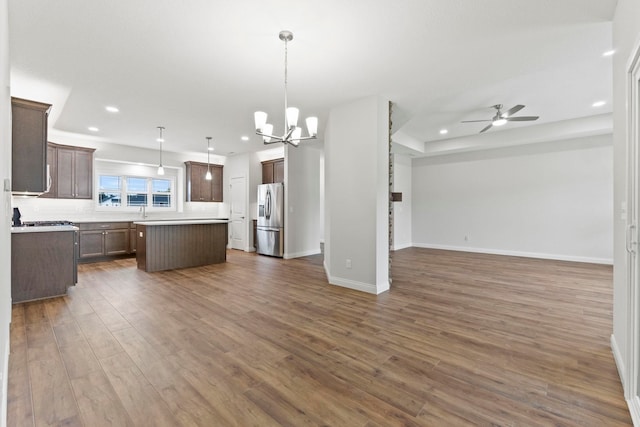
x,y
183,222
43,229
139,219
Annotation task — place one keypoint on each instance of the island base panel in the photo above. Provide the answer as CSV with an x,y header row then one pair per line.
x,y
168,247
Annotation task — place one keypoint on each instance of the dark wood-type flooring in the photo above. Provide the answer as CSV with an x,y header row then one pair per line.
x,y
461,339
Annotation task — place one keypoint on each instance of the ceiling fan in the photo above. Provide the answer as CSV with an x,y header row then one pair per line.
x,y
502,118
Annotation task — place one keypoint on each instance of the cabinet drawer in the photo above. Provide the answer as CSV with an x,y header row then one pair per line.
x,y
102,225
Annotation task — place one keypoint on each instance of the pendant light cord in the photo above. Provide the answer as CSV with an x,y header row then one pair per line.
x,y
160,141
286,124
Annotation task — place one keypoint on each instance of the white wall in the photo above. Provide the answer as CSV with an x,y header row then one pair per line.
x,y
356,195
5,208
302,201
402,210
626,33
550,200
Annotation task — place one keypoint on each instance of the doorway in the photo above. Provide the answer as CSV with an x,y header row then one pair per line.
x,y
238,217
632,376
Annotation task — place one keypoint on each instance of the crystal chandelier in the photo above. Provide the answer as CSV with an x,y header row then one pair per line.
x,y
292,133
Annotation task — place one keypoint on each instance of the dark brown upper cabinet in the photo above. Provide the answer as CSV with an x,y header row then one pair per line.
x,y
71,171
273,171
199,189
29,146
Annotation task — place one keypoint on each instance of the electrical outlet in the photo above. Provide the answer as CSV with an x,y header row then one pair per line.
x,y
348,263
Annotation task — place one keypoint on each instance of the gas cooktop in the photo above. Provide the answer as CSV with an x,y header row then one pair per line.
x,y
45,223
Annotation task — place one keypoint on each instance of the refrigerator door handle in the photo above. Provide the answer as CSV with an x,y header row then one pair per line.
x,y
267,205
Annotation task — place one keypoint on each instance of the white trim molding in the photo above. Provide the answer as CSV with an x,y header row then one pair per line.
x,y
351,284
630,372
291,255
557,257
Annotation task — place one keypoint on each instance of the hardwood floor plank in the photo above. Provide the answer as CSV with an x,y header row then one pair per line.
x,y
141,401
460,339
98,402
53,399
110,317
99,337
79,360
19,405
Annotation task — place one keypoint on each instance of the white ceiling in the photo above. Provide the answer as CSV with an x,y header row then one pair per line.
x,y
201,68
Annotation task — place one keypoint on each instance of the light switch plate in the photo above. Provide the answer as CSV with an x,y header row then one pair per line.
x,y
7,184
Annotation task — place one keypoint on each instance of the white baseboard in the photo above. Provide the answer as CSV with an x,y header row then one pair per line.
x,y
557,257
617,357
634,403
401,246
634,410
352,284
5,378
310,252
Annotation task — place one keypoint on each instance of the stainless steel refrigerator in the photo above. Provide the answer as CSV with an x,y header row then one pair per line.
x,y
270,226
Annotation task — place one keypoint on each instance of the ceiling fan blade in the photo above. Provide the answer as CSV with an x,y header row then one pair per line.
x,y
510,112
522,118
489,126
473,121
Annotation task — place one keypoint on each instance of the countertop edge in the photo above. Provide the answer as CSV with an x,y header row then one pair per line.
x,y
183,222
47,229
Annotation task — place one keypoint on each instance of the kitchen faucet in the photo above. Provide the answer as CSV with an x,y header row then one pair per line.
x,y
143,209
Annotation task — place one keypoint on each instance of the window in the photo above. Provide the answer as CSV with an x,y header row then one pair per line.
x,y
161,192
110,190
136,192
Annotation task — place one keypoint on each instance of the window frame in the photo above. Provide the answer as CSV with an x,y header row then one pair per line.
x,y
140,172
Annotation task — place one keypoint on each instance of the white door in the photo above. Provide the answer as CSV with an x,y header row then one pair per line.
x,y
238,218
631,212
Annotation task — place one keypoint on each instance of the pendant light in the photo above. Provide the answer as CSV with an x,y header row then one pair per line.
x,y
292,133
208,175
160,140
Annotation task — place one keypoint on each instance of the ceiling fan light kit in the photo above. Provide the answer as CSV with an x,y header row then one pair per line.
x,y
292,133
501,118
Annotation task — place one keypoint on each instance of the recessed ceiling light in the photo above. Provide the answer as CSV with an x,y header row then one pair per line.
x,y
111,109
443,131
93,129
609,52
598,104
244,138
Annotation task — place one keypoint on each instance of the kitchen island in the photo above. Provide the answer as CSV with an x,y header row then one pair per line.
x,y
43,261
168,245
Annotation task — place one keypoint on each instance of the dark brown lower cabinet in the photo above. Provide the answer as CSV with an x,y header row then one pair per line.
x,y
100,240
132,239
43,264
